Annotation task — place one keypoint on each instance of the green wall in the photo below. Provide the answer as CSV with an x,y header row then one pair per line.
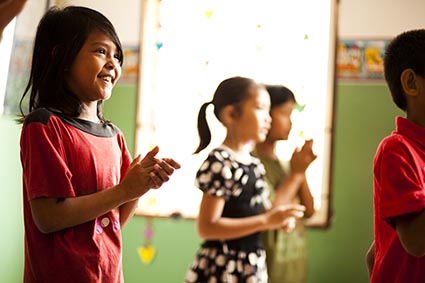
x,y
12,232
364,114
121,109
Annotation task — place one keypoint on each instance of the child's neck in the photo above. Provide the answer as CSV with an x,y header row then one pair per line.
x,y
235,145
89,113
416,117
241,150
266,149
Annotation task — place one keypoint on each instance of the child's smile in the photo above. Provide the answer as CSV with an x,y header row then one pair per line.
x,y
95,70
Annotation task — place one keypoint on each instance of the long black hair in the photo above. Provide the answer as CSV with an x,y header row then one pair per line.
x,y
231,91
60,35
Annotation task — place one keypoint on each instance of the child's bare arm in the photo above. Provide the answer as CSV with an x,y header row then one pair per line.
x,y
53,214
214,227
292,185
9,9
295,182
370,258
288,189
411,231
306,199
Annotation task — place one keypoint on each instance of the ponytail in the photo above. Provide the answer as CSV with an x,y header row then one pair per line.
x,y
203,128
231,91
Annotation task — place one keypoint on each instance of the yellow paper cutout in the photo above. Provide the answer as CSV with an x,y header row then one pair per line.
x,y
151,201
208,13
146,254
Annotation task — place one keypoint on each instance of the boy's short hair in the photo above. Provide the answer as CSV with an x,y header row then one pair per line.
x,y
405,51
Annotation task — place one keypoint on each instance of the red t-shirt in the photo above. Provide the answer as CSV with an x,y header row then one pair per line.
x,y
63,158
399,178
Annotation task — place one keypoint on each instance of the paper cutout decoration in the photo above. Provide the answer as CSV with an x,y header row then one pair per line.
x,y
208,13
146,254
148,233
299,108
159,45
147,251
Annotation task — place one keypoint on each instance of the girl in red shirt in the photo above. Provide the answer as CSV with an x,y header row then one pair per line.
x,y
80,185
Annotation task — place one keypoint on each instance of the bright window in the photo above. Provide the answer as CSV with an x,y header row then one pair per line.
x,y
5,52
190,46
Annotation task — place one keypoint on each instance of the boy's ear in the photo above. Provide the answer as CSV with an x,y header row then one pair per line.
x,y
408,80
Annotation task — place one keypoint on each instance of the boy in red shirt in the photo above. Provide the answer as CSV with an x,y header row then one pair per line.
x,y
397,252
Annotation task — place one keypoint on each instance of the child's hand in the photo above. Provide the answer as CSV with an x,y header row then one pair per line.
x,y
289,224
279,216
163,169
302,158
147,173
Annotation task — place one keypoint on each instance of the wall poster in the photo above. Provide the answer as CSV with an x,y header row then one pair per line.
x,y
361,60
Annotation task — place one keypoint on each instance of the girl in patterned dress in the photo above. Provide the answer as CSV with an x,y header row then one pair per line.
x,y
234,209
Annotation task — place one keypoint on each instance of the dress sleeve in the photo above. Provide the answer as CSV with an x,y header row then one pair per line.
x,y
218,175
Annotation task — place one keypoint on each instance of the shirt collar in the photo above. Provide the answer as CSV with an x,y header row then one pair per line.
x,y
408,128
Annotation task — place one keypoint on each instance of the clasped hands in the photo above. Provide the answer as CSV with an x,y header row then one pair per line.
x,y
148,173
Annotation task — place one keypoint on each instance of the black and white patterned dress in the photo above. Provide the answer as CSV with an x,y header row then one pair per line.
x,y
242,185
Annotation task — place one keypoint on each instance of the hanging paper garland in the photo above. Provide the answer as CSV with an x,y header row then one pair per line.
x,y
208,13
259,39
147,251
299,107
158,45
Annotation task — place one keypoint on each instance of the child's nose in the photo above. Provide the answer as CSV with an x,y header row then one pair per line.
x,y
112,64
269,118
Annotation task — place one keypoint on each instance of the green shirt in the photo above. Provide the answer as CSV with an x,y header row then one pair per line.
x,y
286,252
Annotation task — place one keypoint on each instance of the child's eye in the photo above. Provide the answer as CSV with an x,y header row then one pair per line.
x,y
263,107
101,51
